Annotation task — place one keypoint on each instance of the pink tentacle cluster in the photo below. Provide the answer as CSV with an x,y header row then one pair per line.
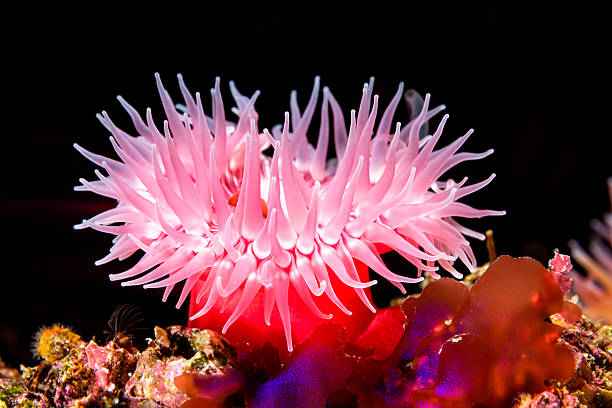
x,y
203,202
595,290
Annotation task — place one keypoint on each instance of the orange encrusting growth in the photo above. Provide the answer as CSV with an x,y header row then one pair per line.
x,y
53,343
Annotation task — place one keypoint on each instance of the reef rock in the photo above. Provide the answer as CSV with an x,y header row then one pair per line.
x,y
76,373
175,351
591,383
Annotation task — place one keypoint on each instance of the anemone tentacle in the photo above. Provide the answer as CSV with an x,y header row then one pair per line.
x,y
204,202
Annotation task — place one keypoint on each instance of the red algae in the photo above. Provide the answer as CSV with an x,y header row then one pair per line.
x,y
451,347
507,312
383,333
473,348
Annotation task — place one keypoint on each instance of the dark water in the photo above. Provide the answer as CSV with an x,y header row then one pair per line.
x,y
531,79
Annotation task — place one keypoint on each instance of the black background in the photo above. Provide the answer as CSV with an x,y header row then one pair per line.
x,y
530,79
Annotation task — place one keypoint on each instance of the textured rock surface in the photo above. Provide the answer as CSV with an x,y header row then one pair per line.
x,y
14,393
591,383
74,373
88,375
175,351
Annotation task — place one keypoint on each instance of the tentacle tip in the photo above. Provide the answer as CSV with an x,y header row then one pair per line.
x,y
322,287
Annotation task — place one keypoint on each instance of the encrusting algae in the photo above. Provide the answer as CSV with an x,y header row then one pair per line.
x,y
55,342
115,374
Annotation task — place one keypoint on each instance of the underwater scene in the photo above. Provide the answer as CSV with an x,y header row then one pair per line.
x,y
301,214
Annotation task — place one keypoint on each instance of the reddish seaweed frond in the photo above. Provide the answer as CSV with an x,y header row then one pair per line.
x,y
460,347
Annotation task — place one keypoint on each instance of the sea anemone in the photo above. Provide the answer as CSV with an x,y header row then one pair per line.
x,y
595,290
248,234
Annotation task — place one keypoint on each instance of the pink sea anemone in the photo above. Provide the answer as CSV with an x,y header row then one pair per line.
x,y
595,290
248,233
